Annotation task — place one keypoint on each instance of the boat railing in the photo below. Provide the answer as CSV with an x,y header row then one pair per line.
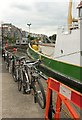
x,y
66,29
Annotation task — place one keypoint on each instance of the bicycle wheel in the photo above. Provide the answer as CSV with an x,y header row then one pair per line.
x,y
15,74
19,82
19,85
39,93
10,67
26,83
6,66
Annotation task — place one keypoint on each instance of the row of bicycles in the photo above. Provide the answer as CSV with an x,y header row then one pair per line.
x,y
26,74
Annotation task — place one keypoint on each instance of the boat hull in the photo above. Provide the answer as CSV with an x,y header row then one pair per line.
x,y
69,71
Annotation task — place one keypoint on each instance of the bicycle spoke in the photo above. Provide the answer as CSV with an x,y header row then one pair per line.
x,y
40,94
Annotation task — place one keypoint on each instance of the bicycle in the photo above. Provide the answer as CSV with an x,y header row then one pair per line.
x,y
15,67
7,59
21,61
31,80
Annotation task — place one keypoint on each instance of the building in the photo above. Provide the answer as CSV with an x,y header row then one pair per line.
x,y
11,33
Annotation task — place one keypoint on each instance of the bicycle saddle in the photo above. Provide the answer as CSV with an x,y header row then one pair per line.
x,y
28,61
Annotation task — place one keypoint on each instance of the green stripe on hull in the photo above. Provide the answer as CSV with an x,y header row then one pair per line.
x,y
65,69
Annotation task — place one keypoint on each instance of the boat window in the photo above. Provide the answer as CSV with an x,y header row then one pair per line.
x,y
62,51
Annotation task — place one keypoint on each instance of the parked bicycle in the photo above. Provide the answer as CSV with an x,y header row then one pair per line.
x,y
30,79
27,75
15,67
8,58
21,61
11,61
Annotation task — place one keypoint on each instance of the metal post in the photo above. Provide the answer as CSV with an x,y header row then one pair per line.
x,y
2,34
50,109
29,24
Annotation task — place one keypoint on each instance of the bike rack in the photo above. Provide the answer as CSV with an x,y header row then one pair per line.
x,y
64,94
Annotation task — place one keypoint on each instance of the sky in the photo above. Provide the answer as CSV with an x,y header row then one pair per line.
x,y
44,15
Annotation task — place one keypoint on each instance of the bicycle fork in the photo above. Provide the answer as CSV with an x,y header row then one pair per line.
x,y
28,83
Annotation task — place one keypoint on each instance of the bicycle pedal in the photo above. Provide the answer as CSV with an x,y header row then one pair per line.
x,y
14,76
27,81
39,92
27,90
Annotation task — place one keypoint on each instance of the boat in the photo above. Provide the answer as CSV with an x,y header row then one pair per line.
x,y
65,59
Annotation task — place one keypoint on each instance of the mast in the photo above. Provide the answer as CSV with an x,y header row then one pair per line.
x,y
70,14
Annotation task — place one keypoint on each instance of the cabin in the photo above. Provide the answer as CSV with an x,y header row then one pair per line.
x,y
24,41
17,42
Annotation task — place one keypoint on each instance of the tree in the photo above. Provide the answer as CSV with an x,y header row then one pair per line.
x,y
53,38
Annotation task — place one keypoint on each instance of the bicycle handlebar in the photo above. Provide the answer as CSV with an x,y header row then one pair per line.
x,y
31,63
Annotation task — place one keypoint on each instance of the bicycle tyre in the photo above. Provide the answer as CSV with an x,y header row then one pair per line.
x,y
19,85
10,67
7,66
14,74
25,84
36,92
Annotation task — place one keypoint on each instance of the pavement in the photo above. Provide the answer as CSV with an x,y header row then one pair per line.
x,y
0,86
